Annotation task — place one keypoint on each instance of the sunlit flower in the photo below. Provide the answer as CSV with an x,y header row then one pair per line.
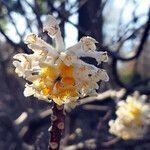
x,y
56,73
133,118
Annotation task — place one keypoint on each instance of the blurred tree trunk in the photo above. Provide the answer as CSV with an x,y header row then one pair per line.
x,y
90,19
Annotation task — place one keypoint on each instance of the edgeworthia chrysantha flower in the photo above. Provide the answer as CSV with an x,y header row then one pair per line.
x,y
133,118
56,73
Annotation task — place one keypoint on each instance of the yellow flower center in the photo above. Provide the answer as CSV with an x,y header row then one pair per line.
x,y
57,82
135,113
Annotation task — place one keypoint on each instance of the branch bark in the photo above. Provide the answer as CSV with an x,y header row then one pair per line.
x,y
57,127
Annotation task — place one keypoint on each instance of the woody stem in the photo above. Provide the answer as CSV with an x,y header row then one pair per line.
x,y
57,127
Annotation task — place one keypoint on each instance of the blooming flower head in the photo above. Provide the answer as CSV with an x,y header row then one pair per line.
x,y
56,73
133,118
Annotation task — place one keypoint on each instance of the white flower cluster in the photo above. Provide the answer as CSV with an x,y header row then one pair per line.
x,y
56,73
133,118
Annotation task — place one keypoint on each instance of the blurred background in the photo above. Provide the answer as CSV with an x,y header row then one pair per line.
x,y
122,29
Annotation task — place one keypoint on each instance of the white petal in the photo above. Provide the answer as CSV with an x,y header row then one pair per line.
x,y
103,75
88,43
40,45
28,91
52,27
20,56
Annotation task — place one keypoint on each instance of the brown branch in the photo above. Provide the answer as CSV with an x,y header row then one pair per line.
x,y
101,127
15,45
57,127
116,56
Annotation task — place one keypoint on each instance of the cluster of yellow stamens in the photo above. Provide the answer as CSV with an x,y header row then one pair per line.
x,y
57,82
132,118
135,113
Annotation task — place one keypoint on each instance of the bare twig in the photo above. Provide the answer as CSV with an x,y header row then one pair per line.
x,y
116,142
88,145
57,127
140,48
102,96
